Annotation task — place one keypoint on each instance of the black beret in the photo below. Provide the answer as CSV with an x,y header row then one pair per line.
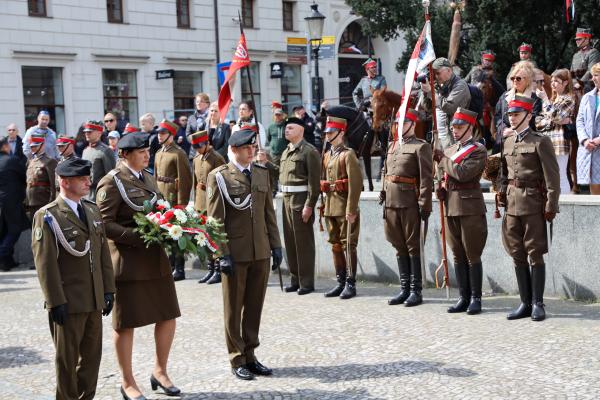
x,y
294,120
134,140
73,166
244,136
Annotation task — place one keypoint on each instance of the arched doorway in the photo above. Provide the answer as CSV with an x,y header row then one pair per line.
x,y
353,51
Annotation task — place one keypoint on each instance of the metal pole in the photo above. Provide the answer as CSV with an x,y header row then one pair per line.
x,y
217,44
318,86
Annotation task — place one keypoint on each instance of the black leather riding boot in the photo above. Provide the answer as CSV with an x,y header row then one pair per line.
x,y
476,280
464,291
339,263
404,270
524,282
209,274
416,283
538,282
216,277
179,273
350,288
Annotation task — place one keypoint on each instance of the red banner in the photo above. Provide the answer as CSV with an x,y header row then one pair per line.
x,y
240,60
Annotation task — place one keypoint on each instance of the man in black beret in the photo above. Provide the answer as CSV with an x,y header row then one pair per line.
x,y
239,195
299,173
75,271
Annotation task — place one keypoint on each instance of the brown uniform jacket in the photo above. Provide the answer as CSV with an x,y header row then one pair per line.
x,y
203,164
300,165
341,203
253,232
79,281
530,170
173,174
41,180
131,259
462,183
413,160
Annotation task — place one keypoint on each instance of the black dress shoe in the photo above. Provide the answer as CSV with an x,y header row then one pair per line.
x,y
242,373
258,369
169,391
305,290
291,288
125,397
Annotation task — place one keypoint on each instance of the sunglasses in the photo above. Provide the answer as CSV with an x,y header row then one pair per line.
x,y
108,120
516,78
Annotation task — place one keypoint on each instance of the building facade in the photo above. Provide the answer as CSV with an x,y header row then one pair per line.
x,y
81,58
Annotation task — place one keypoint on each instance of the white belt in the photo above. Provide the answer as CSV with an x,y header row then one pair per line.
x,y
293,189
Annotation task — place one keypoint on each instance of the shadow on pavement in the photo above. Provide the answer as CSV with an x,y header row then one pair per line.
x,y
304,394
17,356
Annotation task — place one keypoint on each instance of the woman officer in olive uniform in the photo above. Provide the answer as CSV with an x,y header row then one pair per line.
x,y
145,287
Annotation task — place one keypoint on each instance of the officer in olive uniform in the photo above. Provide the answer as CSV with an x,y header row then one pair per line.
x,y
530,187
98,153
206,160
406,195
40,176
75,271
362,93
342,183
66,150
174,178
466,224
299,173
239,194
585,57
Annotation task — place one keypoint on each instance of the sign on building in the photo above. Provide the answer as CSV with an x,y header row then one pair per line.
x,y
296,50
276,70
165,74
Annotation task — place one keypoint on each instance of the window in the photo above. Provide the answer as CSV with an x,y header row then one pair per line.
x,y
120,94
43,90
185,86
183,13
248,13
114,8
291,87
37,8
254,74
288,16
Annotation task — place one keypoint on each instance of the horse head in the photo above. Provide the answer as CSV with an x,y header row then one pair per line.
x,y
384,103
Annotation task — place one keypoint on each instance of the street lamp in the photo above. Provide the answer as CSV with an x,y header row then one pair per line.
x,y
314,23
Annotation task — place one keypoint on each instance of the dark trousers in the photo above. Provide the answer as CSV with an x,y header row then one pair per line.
x,y
7,244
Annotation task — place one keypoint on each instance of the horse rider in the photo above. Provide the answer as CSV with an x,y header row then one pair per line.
x,y
363,92
583,60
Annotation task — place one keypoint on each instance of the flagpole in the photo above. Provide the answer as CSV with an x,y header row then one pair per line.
x,y
253,107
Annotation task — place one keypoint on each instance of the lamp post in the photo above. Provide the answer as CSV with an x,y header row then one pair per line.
x,y
314,23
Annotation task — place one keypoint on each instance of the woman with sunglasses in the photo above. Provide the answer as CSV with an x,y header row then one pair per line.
x,y
522,78
218,133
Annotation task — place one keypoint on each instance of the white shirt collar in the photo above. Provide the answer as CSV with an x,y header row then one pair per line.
x,y
134,172
71,203
240,167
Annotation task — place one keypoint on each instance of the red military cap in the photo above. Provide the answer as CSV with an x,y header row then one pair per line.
x,y
169,126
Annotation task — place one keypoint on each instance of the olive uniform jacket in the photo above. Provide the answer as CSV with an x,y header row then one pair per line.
x,y
131,259
530,169
203,164
411,159
65,278
300,165
253,232
103,160
462,182
40,180
338,164
173,174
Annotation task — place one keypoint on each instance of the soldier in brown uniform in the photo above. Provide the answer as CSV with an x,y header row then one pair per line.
x,y
98,153
174,179
206,160
145,288
40,177
342,184
239,195
466,224
75,271
66,150
530,187
406,195
299,171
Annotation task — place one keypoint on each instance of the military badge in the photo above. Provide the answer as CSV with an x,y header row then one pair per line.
x,y
209,191
102,195
38,233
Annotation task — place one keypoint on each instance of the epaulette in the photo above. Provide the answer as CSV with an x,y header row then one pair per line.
x,y
148,170
255,164
421,140
220,168
88,201
536,133
48,206
113,172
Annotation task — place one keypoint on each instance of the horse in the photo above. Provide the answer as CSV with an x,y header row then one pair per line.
x,y
492,90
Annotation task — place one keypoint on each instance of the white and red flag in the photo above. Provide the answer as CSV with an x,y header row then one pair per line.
x,y
570,10
421,57
240,60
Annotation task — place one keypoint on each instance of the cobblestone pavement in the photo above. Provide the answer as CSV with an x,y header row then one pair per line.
x,y
330,349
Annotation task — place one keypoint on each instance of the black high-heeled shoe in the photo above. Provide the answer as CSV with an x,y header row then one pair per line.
x,y
169,391
125,397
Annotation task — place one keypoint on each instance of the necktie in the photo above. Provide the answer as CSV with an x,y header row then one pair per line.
x,y
141,176
81,213
248,174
